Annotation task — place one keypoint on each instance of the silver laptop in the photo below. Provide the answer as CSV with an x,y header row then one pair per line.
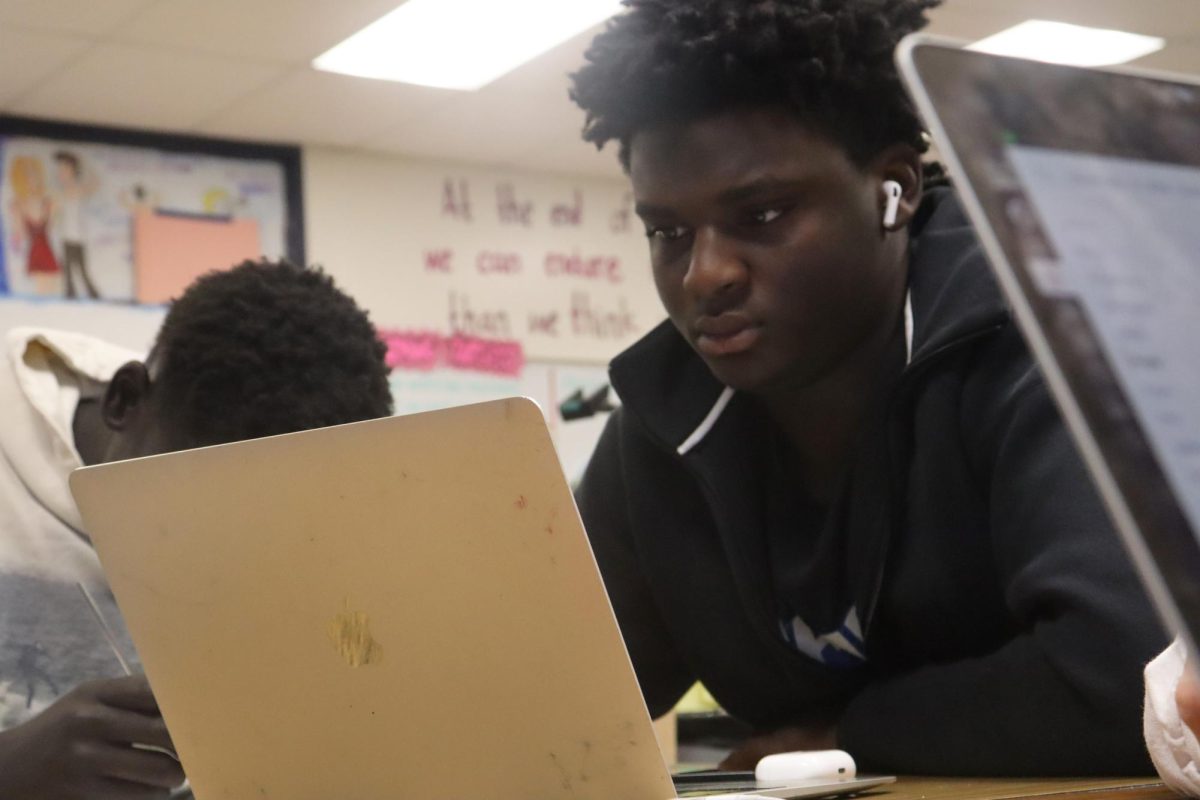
x,y
406,607
1084,186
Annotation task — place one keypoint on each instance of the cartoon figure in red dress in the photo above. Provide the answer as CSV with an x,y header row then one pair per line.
x,y
32,209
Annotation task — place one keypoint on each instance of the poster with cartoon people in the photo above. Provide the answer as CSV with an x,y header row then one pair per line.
x,y
67,210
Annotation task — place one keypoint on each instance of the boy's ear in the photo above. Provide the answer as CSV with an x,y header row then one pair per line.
x,y
900,163
126,395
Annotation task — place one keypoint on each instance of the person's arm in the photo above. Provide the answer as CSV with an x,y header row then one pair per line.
x,y
604,506
1171,720
1187,698
82,747
1062,696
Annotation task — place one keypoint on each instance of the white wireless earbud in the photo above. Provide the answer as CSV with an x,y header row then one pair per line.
x,y
894,193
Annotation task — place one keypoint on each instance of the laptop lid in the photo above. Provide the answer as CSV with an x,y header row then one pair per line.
x,y
1084,186
406,606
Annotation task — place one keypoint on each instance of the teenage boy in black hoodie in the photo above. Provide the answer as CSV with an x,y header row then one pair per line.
x,y
838,492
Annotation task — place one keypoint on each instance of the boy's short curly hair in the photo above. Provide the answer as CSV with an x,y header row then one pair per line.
x,y
829,61
267,348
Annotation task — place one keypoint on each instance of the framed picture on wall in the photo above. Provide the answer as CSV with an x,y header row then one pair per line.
x,y
91,213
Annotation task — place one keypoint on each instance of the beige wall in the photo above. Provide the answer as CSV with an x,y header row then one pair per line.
x,y
557,263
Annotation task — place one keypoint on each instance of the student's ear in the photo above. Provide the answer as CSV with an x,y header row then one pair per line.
x,y
900,165
126,395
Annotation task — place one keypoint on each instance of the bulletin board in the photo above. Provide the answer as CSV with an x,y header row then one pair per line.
x,y
74,198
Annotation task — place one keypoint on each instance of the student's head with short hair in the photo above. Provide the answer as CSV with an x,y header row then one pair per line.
x,y
758,135
264,348
67,160
827,62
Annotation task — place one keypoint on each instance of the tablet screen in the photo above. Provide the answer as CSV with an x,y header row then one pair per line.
x,y
1089,184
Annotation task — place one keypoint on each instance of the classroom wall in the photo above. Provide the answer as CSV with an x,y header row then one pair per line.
x,y
557,264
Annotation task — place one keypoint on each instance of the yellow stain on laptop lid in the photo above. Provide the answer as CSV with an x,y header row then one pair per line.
x,y
350,633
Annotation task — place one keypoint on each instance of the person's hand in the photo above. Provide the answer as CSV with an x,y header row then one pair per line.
x,y
82,747
784,740
1187,698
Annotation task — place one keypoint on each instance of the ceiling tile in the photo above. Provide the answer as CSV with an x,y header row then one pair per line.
x,y
92,18
474,127
1178,21
1153,17
969,24
141,87
240,68
1180,58
288,31
486,127
575,158
26,57
324,108
548,75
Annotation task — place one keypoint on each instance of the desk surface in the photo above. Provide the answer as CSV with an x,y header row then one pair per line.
x,y
917,788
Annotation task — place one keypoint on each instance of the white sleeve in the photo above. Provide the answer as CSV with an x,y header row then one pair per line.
x,y
1172,745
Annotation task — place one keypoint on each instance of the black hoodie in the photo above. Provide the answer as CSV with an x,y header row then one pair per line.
x,y
1005,631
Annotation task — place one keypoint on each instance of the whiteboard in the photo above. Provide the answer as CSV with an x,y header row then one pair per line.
x,y
558,264
547,384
